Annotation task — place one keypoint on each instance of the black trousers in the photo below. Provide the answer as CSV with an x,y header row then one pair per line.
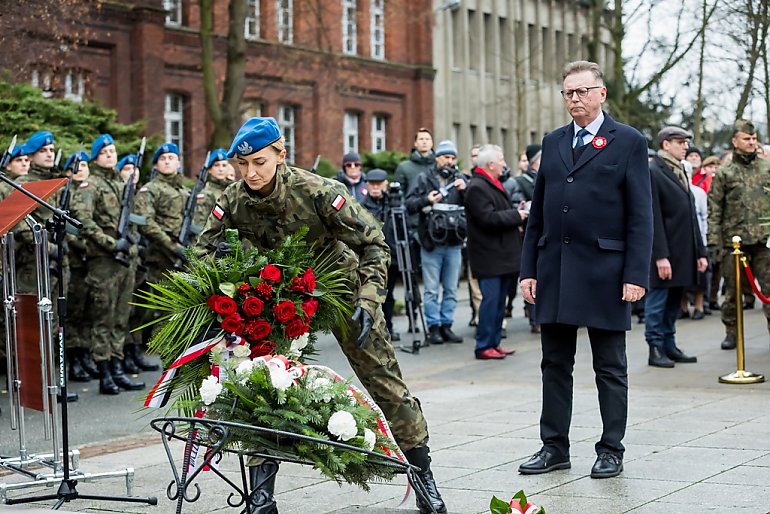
x,y
559,343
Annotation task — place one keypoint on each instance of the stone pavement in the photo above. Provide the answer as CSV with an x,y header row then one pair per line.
x,y
693,445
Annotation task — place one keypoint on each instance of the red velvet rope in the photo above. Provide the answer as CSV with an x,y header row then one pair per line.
x,y
753,283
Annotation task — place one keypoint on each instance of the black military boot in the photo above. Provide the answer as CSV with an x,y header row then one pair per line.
x,y
106,383
76,371
137,354
120,378
729,342
420,457
448,336
658,358
129,366
262,483
434,335
88,364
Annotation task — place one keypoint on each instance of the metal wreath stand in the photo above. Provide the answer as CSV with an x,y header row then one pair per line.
x,y
214,436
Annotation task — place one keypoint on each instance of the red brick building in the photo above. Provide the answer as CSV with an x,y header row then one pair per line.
x,y
336,74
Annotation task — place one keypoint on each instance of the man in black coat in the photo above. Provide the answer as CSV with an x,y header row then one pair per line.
x,y
586,257
494,246
678,252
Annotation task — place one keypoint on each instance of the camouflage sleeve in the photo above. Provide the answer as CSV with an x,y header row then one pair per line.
x,y
214,230
716,205
145,206
360,231
82,206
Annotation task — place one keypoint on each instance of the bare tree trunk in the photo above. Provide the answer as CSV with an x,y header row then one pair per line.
x,y
767,86
758,35
698,122
618,32
594,44
210,89
235,75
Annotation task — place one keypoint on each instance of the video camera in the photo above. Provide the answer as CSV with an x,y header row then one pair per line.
x,y
395,195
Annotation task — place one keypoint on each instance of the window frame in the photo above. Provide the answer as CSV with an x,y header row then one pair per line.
x,y
379,134
285,30
288,127
174,116
351,123
349,27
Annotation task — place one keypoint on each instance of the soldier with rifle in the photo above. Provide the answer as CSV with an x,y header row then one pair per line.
x,y
105,213
189,231
218,167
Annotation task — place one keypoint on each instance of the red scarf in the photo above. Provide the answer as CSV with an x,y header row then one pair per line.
x,y
491,178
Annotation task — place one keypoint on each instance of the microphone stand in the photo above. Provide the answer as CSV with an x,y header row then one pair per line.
x,y
68,488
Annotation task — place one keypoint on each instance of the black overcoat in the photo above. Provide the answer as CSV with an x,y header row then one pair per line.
x,y
494,238
590,227
676,235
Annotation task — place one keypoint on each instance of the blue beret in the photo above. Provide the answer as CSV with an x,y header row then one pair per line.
x,y
71,159
19,150
128,159
164,148
38,140
254,135
99,143
220,154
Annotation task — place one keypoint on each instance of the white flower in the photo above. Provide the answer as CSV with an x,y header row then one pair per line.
x,y
242,351
352,397
220,347
280,378
245,368
343,425
297,345
210,389
369,439
321,386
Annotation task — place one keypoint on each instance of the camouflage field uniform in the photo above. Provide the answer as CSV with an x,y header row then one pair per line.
x,y
303,199
78,313
208,198
737,202
109,283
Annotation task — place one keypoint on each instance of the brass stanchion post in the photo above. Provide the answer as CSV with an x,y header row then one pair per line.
x,y
741,376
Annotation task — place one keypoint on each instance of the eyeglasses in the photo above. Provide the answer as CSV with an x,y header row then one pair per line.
x,y
352,164
582,92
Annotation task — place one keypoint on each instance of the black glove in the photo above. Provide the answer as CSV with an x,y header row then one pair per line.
x,y
122,245
223,250
365,319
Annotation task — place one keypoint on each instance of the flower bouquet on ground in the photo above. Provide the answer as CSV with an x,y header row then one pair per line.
x,y
518,504
234,335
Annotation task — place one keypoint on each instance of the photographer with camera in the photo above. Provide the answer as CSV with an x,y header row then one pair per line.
x,y
437,195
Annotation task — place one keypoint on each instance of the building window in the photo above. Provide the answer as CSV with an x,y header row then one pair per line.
x,y
377,29
284,10
174,117
350,132
251,109
173,12
43,80
379,132
251,25
286,122
349,27
74,86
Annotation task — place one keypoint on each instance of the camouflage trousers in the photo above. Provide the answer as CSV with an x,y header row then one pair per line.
x,y
376,367
758,256
109,290
137,315
78,318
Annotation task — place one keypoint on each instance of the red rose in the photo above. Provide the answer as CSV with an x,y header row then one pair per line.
x,y
262,349
233,323
222,305
309,307
258,329
308,278
296,328
284,311
297,285
253,307
265,290
271,273
245,289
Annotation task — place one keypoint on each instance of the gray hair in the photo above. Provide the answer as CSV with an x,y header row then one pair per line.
x,y
487,154
581,66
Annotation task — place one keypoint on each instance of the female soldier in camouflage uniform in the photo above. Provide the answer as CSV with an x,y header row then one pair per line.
x,y
274,200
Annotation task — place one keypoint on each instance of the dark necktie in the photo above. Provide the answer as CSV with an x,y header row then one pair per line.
x,y
580,135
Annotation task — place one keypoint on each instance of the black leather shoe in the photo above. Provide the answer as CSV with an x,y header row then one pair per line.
x,y
420,457
714,306
120,378
607,465
71,397
106,383
395,336
76,371
659,359
434,335
697,315
137,355
87,362
677,355
544,461
747,306
448,336
129,366
728,343
684,314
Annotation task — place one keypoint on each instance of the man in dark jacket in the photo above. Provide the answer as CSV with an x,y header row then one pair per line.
x,y
677,248
352,177
494,247
437,196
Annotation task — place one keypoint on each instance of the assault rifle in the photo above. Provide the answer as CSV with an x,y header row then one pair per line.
x,y
317,161
6,158
66,196
126,218
188,228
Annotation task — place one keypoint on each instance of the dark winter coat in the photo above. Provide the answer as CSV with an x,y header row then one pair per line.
x,y
676,235
494,239
357,191
417,200
406,175
590,227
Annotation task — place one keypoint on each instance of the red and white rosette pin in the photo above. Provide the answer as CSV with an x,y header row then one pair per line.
x,y
599,142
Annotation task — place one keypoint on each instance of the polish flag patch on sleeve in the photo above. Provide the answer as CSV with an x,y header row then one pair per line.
x,y
338,202
218,212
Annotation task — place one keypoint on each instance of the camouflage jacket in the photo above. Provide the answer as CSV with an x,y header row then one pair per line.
x,y
22,232
737,203
99,210
335,223
81,193
162,202
208,198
